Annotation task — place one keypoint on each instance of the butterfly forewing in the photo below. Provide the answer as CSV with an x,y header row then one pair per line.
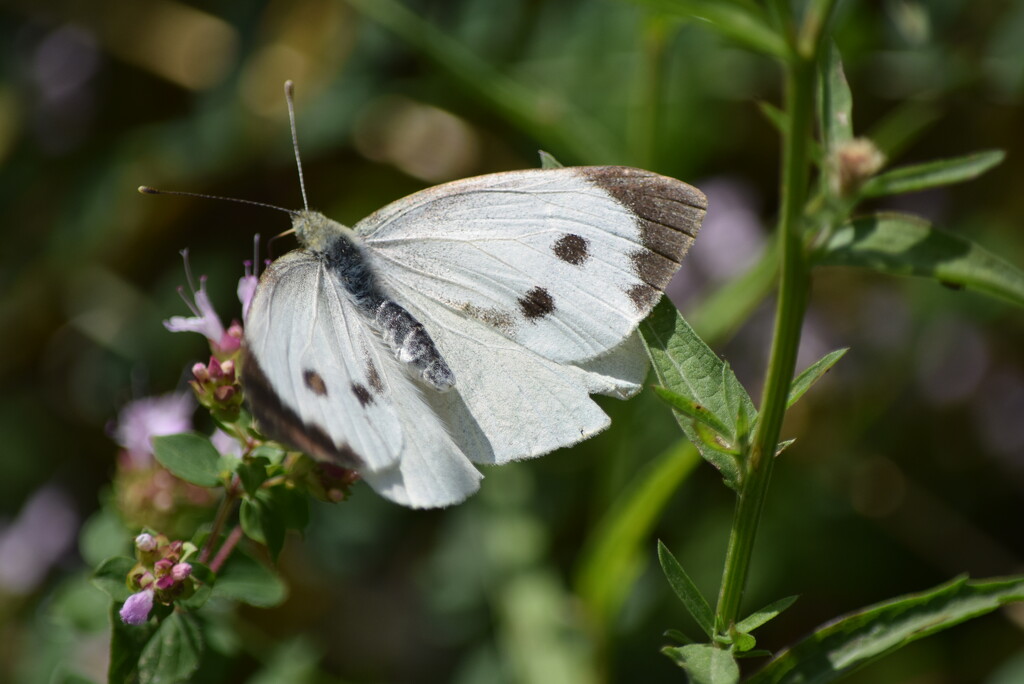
x,y
327,368
566,262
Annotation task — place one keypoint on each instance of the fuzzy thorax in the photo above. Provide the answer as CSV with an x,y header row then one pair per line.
x,y
316,232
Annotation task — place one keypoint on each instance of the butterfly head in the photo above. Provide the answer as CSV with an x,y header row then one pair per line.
x,y
315,231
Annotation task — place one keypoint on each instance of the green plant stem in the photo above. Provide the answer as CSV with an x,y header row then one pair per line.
x,y
792,298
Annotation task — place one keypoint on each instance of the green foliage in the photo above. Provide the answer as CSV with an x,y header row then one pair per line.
x,y
898,244
812,374
245,579
689,369
855,640
189,456
705,663
172,652
934,174
686,590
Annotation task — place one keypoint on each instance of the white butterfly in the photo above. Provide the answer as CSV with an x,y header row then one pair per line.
x,y
466,323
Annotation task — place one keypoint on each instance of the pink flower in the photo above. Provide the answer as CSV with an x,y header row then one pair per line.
x,y
204,319
135,610
181,571
143,419
247,287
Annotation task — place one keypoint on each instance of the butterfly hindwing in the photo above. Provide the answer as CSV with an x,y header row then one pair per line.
x,y
319,378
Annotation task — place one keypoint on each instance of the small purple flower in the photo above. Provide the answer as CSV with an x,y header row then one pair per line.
x,y
135,610
204,319
143,419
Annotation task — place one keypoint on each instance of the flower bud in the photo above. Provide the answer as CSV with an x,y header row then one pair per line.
x,y
856,161
137,607
145,542
181,571
200,372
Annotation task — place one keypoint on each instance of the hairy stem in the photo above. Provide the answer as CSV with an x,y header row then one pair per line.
x,y
792,299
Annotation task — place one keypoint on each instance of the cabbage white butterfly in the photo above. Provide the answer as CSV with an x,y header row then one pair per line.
x,y
468,323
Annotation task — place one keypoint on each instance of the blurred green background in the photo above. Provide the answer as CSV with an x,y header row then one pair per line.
x,y
909,463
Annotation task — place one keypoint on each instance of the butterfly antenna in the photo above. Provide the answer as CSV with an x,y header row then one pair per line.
x,y
289,96
146,190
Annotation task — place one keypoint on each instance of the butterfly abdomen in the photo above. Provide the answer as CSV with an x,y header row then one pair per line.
x,y
407,338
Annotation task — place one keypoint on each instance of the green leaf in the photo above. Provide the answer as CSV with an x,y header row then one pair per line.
x,y
812,374
678,636
274,455
743,642
775,116
688,367
932,174
851,642
692,409
743,22
126,645
686,590
905,245
189,456
250,516
704,663
769,612
548,161
172,654
264,520
244,579
835,102
614,554
290,505
111,576
252,474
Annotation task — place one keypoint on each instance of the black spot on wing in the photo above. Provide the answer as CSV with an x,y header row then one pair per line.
x,y
280,422
362,394
572,249
315,382
536,303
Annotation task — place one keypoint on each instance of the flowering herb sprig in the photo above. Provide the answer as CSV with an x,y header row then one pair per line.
x,y
162,575
170,477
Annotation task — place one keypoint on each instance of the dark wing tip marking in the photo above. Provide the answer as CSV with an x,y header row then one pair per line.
x,y
669,211
281,423
668,215
536,303
572,249
643,296
362,394
315,382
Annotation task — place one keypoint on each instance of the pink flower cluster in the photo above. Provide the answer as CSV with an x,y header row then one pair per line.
x,y
161,575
